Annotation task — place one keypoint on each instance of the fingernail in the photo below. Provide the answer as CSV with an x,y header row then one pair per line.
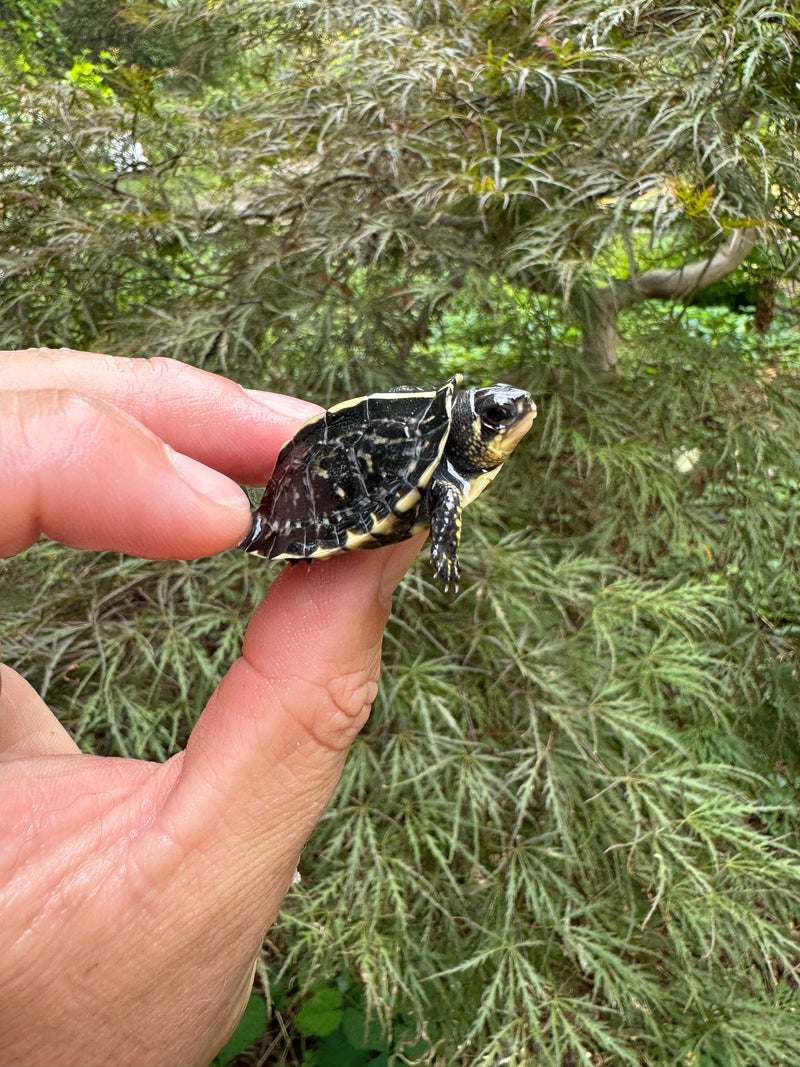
x,y
208,482
289,406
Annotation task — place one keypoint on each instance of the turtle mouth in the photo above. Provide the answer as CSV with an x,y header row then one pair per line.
x,y
498,450
512,437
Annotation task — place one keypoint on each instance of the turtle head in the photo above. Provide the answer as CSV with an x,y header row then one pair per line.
x,y
488,424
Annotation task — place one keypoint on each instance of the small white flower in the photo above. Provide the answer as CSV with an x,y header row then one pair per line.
x,y
686,459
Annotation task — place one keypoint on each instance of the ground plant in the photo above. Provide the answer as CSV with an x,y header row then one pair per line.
x,y
569,833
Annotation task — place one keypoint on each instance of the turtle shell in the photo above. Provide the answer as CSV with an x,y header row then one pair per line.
x,y
354,476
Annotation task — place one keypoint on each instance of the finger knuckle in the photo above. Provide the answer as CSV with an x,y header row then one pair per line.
x,y
350,695
163,367
78,420
342,706
51,415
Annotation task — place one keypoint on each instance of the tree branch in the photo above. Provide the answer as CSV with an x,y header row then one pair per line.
x,y
598,309
685,281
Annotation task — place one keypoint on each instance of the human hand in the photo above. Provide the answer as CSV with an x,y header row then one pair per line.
x,y
134,896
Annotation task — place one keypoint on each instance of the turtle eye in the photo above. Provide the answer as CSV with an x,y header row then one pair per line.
x,y
496,416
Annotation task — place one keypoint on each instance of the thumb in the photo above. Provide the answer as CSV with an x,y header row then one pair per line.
x,y
268,750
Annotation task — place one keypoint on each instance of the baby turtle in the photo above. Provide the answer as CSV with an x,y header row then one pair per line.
x,y
378,469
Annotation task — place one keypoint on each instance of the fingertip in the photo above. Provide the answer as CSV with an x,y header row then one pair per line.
x,y
208,482
339,600
279,404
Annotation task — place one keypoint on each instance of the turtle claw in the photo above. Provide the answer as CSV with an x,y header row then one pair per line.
x,y
447,570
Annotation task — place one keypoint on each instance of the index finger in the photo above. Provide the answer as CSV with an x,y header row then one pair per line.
x,y
203,415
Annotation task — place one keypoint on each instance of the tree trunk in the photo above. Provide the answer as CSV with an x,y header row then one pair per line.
x,y
599,309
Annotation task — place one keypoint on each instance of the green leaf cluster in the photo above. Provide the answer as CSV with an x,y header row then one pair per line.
x,y
299,171
251,1026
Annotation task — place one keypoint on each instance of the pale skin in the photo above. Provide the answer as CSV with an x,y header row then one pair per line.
x,y
134,896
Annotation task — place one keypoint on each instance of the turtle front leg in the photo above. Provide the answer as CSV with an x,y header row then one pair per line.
x,y
445,511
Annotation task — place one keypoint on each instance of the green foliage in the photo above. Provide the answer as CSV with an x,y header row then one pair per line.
x,y
339,1033
250,1028
314,172
27,29
130,671
42,37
